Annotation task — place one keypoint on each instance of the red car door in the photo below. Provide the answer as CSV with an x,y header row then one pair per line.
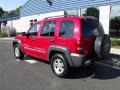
x,y
45,38
29,44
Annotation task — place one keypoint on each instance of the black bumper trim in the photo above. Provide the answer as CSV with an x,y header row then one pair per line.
x,y
79,60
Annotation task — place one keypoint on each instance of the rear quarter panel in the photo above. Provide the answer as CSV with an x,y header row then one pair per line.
x,y
71,41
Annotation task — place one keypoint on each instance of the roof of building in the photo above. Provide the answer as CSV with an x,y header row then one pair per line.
x,y
32,7
11,17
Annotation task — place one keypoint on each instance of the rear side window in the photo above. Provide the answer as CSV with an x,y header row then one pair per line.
x,y
66,28
91,27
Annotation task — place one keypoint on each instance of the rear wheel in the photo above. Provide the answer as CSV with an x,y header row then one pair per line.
x,y
59,65
18,53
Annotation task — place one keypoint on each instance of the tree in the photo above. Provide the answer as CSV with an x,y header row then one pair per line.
x,y
6,13
18,9
115,23
1,12
92,12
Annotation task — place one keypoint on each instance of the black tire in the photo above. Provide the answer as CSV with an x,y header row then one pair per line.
x,y
21,55
102,46
66,67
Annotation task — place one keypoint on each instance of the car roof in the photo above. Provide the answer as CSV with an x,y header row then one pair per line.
x,y
66,17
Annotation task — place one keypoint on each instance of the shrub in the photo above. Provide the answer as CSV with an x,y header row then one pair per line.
x,y
2,35
115,42
13,33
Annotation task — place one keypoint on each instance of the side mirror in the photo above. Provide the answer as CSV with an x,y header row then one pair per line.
x,y
25,34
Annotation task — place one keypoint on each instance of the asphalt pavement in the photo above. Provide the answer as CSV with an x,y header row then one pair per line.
x,y
34,74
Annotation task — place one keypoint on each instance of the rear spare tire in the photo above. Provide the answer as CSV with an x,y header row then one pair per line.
x,y
102,46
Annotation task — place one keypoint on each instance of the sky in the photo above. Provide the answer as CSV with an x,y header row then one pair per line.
x,y
8,5
115,11
11,4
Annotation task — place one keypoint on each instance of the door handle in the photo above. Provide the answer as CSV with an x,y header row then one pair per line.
x,y
51,40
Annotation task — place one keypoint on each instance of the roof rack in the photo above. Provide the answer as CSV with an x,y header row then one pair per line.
x,y
61,16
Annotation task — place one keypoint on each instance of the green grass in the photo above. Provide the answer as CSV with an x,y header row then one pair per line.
x,y
3,35
115,42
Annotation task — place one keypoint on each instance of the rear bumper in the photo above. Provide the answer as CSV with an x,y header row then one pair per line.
x,y
80,60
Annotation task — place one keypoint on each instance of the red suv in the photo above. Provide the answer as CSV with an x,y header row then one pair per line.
x,y
64,41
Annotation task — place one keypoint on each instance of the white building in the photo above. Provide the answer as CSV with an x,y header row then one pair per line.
x,y
35,10
23,24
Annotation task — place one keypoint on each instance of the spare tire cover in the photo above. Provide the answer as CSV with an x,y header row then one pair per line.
x,y
102,46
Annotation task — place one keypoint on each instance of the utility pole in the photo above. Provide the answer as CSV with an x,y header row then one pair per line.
x,y
0,27
50,2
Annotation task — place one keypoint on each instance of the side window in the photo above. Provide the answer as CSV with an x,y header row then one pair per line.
x,y
33,30
52,30
66,29
48,29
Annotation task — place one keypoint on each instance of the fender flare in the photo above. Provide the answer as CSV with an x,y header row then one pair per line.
x,y
62,49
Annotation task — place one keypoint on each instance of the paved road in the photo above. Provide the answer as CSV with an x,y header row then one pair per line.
x,y
37,75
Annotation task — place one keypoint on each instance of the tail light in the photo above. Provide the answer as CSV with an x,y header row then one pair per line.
x,y
79,48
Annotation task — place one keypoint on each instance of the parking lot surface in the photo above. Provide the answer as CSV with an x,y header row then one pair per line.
x,y
34,74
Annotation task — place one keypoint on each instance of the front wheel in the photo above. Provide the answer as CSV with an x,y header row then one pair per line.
x,y
17,51
60,65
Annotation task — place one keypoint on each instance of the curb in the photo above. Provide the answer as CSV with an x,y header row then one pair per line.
x,y
115,51
7,38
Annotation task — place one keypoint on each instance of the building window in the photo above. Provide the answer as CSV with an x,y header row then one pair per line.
x,y
115,21
33,21
4,23
71,12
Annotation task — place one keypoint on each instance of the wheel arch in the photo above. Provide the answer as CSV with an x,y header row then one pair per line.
x,y
54,49
19,43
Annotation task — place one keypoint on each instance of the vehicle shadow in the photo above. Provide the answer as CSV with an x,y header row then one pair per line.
x,y
103,70
29,58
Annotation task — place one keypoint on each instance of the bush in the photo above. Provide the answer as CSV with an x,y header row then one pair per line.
x,y
115,42
13,33
2,35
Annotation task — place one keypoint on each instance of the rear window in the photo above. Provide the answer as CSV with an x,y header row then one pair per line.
x,y
91,27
